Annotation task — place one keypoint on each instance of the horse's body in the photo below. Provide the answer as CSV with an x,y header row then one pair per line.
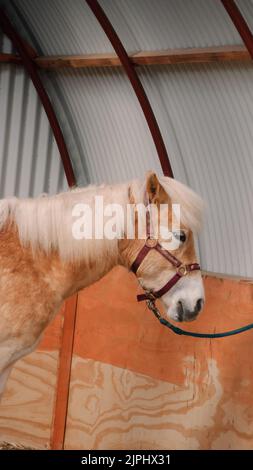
x,y
41,264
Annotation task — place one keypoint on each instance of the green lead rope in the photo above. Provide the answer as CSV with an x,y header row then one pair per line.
x,y
179,331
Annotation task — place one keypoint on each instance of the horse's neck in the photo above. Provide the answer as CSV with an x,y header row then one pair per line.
x,y
80,275
102,255
73,263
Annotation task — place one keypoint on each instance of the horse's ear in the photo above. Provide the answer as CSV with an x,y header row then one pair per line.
x,y
155,191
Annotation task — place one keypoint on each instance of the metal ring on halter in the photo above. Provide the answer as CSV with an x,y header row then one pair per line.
x,y
152,306
151,242
150,296
182,270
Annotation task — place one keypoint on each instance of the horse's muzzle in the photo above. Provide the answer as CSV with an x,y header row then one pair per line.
x,y
185,314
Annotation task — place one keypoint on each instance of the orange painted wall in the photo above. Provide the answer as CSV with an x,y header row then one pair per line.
x,y
113,328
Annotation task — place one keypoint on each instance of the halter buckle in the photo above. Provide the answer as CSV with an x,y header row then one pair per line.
x,y
151,242
182,270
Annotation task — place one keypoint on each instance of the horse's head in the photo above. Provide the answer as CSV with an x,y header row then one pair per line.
x,y
184,300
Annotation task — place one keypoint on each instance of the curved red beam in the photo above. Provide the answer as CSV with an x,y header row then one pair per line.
x,y
136,84
27,58
240,23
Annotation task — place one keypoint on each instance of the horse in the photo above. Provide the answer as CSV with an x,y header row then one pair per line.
x,y
44,258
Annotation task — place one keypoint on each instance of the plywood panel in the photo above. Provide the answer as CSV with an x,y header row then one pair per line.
x,y
27,406
136,385
113,408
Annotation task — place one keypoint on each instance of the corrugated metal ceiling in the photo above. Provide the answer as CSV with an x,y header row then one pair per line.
x,y
69,27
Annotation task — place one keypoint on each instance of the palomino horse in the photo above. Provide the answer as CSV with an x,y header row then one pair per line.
x,y
44,260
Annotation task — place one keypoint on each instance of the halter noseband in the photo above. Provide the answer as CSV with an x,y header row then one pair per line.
x,y
153,244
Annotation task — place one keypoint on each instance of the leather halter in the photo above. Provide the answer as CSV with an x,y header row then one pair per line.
x,y
153,244
181,270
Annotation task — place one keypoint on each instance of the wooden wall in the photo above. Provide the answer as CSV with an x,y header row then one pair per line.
x,y
135,385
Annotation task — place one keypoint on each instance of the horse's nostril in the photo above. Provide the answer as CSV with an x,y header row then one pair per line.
x,y
186,314
198,306
180,310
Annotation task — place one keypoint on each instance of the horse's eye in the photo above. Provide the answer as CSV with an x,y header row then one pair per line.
x,y
180,235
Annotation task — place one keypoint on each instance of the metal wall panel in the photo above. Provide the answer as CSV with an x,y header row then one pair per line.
x,y
246,8
114,138
204,111
209,111
5,44
162,24
29,159
69,27
59,26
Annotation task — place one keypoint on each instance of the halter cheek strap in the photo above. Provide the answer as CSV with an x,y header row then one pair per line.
x,y
181,269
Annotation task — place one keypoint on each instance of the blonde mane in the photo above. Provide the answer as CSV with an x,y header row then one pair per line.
x,y
45,222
